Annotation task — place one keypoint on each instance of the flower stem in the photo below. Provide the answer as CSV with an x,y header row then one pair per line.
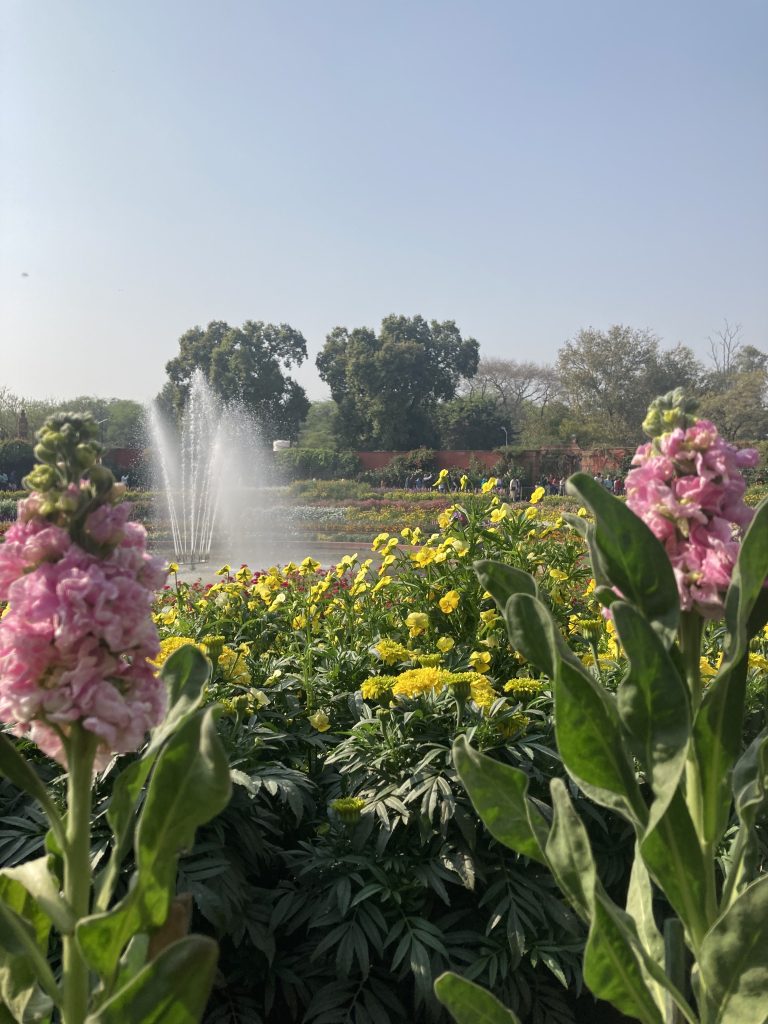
x,y
81,748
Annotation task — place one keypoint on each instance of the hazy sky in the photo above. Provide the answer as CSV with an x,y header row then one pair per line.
x,y
524,167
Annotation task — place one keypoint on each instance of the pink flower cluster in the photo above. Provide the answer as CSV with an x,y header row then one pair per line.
x,y
78,631
688,487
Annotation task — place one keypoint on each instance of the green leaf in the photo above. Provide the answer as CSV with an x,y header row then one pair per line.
x,y
747,582
27,985
469,1003
640,908
185,674
16,768
502,581
499,795
630,556
653,703
189,786
530,630
613,966
587,724
750,778
172,989
732,960
569,853
38,881
673,855
717,743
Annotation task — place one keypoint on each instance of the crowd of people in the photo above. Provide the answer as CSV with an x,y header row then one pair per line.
x,y
514,488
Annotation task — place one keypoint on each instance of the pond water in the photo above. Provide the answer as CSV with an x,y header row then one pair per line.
x,y
264,552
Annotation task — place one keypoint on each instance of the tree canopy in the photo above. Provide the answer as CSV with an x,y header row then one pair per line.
x,y
608,378
246,364
387,388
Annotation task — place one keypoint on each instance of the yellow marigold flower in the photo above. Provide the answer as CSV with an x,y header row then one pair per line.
x,y
449,602
170,645
523,687
391,652
512,724
427,659
480,661
756,661
348,809
537,495
490,485
377,687
445,644
232,664
320,721
213,645
417,681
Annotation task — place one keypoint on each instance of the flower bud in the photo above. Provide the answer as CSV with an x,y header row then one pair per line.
x,y
348,809
668,412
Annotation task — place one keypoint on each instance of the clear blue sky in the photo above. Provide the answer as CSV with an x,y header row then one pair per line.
x,y
524,167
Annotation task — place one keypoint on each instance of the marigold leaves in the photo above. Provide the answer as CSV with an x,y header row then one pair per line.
x,y
469,1003
630,556
732,962
499,795
17,770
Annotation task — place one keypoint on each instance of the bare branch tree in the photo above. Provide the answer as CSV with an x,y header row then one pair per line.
x,y
724,347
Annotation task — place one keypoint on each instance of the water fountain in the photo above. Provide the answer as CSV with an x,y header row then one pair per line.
x,y
204,468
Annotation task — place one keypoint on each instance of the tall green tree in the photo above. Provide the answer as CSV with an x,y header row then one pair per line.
x,y
387,388
473,421
608,378
246,364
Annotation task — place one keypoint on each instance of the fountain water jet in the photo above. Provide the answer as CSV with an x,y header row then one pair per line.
x,y
203,469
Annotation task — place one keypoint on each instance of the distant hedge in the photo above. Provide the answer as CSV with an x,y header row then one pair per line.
x,y
16,457
316,463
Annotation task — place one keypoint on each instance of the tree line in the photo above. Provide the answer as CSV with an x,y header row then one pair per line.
x,y
418,383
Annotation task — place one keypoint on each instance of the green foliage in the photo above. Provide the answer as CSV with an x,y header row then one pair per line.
x,y
246,364
17,458
387,388
138,973
319,428
662,754
316,463
471,422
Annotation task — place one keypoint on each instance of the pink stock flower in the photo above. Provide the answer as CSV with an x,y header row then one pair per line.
x,y
78,633
687,486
